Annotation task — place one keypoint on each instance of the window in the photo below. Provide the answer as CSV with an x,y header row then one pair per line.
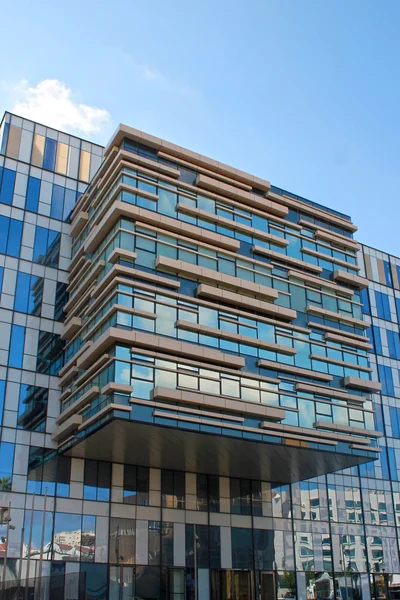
x,y
6,466
173,489
28,294
388,273
242,548
49,157
60,301
97,480
376,339
394,344
51,476
2,395
10,236
122,541
365,302
383,306
49,353
386,379
136,485
245,497
7,183
17,343
32,408
32,194
46,249
197,535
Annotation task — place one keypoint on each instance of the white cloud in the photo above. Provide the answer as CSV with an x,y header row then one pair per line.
x,y
52,103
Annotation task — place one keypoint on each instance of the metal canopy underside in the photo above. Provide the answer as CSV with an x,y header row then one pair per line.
x,y
156,446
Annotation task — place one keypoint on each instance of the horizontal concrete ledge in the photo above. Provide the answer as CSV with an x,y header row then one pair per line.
x,y
89,372
73,360
103,412
81,402
235,226
346,341
200,169
173,150
319,281
79,223
331,236
183,408
266,204
70,374
228,297
340,363
67,392
336,331
275,366
348,429
313,211
116,388
362,384
295,262
234,405
67,427
131,273
365,447
332,259
321,437
78,291
71,327
122,209
329,314
234,337
139,339
210,276
323,390
120,253
354,280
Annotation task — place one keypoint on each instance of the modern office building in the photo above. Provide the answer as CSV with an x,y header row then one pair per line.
x,y
199,374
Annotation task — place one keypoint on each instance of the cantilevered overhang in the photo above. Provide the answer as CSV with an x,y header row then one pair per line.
x,y
160,446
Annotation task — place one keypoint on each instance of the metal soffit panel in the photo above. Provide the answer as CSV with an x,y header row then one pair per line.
x,y
165,447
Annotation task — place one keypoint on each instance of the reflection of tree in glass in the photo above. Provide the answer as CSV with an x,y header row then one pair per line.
x,y
5,484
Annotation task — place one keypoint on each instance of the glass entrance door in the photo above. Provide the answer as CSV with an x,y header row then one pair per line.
x,y
267,586
232,585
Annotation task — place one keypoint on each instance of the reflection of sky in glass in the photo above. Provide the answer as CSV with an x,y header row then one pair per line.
x,y
37,530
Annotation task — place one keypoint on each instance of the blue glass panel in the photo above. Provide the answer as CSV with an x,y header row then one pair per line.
x,y
6,465
377,339
4,226
7,186
1,278
5,138
386,379
383,306
16,346
22,291
57,202
32,194
365,302
40,244
49,157
394,420
394,344
2,393
388,273
14,238
69,202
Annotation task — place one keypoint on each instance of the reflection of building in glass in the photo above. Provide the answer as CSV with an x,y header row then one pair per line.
x,y
189,361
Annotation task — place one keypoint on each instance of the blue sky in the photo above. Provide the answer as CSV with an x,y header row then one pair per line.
x,y
304,93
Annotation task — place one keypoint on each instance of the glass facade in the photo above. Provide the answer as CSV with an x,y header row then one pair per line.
x,y
199,377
